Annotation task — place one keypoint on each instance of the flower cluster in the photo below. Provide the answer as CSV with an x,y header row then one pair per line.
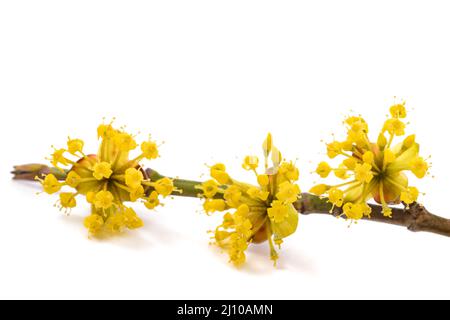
x,y
255,213
372,170
107,180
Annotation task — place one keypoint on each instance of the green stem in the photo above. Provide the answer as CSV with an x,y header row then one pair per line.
x,y
187,187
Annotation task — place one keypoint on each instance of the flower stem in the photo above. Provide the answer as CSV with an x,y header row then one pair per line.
x,y
415,218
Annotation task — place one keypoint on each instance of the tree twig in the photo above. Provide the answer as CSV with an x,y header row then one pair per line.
x,y
415,218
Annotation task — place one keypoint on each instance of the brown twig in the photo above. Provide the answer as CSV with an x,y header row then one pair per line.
x,y
415,218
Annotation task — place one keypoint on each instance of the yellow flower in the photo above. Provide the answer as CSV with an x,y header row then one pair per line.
x,y
124,141
150,150
323,169
67,200
398,110
336,197
108,180
75,146
50,184
103,200
250,163
263,180
133,178
394,127
334,149
363,172
209,188
218,172
289,171
94,223
254,213
341,172
419,167
288,192
356,211
257,193
73,179
164,186
410,195
102,170
373,170
214,205
278,212
152,201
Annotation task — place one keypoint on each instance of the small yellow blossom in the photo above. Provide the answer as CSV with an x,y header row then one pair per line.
x,y
356,211
124,141
209,188
341,172
257,193
94,223
289,171
288,192
336,197
410,195
368,157
334,149
398,110
394,127
67,200
363,173
213,205
75,146
137,193
387,212
73,179
133,178
164,186
108,180
373,170
323,169
218,173
149,150
253,213
152,201
419,167
103,200
278,212
250,163
132,221
102,170
350,163
50,184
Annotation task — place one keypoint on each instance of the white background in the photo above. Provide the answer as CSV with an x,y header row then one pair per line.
x,y
210,79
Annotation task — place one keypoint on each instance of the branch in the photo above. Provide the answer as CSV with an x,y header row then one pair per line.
x,y
415,218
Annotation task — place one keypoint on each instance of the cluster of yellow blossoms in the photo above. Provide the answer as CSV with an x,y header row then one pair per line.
x,y
107,180
254,213
372,170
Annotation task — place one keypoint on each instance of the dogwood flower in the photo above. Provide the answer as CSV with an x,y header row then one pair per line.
x,y
107,180
254,213
372,170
